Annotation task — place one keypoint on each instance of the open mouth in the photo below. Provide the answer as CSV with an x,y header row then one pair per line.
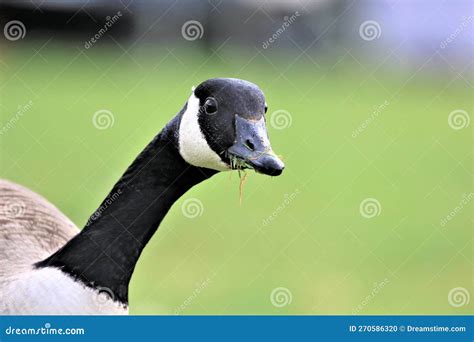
x,y
238,163
263,162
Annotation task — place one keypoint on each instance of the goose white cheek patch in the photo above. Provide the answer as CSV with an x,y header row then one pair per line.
x,y
193,146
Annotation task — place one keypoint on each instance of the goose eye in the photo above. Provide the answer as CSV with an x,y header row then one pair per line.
x,y
266,108
210,106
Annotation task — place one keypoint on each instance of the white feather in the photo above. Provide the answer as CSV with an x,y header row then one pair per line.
x,y
49,291
193,146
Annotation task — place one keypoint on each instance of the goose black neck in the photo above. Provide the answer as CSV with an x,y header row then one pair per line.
x,y
104,254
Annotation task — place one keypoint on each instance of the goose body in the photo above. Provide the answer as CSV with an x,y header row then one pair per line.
x,y
49,266
31,229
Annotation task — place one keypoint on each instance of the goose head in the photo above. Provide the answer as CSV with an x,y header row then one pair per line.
x,y
223,128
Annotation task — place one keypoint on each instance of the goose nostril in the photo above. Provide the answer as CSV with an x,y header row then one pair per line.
x,y
250,145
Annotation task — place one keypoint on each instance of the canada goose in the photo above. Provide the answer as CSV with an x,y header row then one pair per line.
x,y
49,267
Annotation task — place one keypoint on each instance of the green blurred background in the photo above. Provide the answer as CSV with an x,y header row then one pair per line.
x,y
327,256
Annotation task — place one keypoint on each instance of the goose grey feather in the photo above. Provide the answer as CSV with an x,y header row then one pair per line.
x,y
31,228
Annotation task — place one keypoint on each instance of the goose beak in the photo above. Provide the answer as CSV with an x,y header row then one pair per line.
x,y
252,148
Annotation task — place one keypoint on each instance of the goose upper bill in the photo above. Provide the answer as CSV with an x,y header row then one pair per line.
x,y
221,127
252,148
